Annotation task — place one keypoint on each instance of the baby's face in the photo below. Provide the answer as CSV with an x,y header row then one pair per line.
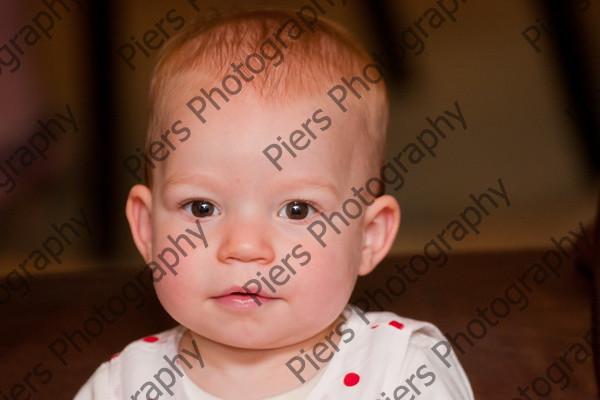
x,y
253,216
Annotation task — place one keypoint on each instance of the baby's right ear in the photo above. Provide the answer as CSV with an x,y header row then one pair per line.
x,y
139,213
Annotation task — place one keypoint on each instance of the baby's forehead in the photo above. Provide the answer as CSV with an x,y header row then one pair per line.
x,y
194,99
272,139
202,93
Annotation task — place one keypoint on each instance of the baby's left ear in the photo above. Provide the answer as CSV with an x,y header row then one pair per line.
x,y
382,219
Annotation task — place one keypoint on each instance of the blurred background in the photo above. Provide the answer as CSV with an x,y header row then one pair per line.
x,y
526,78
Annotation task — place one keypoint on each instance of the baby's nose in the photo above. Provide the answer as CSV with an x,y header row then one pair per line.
x,y
246,241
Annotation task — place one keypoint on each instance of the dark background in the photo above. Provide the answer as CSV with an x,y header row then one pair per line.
x,y
530,110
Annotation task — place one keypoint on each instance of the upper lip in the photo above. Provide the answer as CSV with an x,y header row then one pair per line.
x,y
240,290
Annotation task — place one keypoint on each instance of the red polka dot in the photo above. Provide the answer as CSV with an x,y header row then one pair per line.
x,y
150,339
351,379
115,355
374,326
396,324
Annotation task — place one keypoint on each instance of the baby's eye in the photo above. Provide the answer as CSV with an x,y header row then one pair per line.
x,y
201,208
297,210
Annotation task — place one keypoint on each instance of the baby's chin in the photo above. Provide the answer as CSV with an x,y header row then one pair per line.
x,y
247,341
272,336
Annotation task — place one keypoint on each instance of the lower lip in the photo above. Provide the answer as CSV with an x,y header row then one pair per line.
x,y
242,302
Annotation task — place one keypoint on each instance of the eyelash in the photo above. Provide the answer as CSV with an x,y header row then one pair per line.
x,y
312,204
188,203
316,208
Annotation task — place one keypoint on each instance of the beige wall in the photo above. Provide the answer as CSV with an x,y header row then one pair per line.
x,y
510,95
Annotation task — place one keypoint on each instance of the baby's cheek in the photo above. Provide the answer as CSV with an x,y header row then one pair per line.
x,y
175,283
328,275
320,302
168,287
342,254
178,297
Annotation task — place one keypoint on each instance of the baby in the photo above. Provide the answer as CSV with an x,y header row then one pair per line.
x,y
264,204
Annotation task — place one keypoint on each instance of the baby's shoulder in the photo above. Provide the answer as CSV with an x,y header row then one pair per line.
x,y
138,358
152,345
390,352
399,341
145,351
392,325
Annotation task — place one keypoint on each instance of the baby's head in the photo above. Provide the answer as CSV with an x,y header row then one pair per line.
x,y
263,177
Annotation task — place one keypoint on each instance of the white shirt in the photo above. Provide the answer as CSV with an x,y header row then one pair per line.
x,y
387,357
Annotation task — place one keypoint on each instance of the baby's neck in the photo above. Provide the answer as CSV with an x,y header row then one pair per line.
x,y
230,372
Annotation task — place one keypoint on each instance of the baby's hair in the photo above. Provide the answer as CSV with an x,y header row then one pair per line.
x,y
305,63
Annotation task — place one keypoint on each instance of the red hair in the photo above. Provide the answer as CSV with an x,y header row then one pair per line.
x,y
307,60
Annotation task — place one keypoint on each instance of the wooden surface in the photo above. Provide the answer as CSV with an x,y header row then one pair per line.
x,y
518,349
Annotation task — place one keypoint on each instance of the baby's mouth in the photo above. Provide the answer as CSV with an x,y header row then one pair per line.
x,y
239,298
239,291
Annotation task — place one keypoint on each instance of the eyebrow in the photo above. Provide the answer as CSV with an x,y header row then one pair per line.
x,y
290,182
304,182
196,179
